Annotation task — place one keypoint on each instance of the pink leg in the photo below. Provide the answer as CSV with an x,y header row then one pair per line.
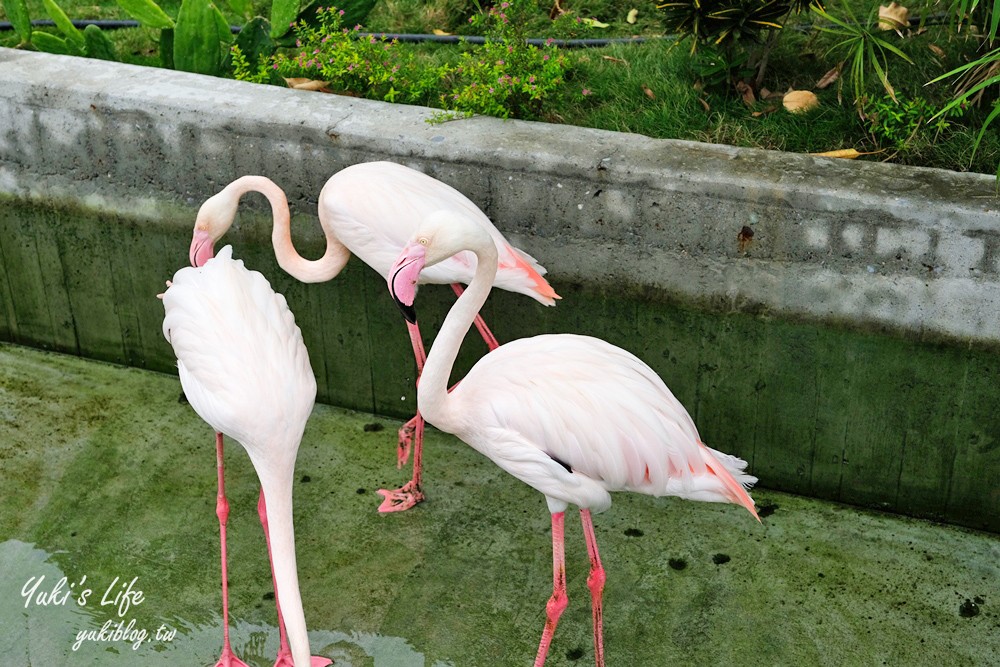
x,y
410,493
284,652
595,582
484,331
557,603
228,658
412,432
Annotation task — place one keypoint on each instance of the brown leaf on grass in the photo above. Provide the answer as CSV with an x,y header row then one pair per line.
x,y
556,11
771,108
936,50
704,105
632,14
308,84
649,93
620,61
746,92
894,17
438,31
829,77
800,101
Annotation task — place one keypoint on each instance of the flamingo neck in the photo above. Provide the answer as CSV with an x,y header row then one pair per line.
x,y
432,391
305,270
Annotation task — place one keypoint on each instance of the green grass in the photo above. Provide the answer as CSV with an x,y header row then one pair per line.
x,y
616,78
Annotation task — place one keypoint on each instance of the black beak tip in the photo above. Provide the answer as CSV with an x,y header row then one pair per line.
x,y
409,312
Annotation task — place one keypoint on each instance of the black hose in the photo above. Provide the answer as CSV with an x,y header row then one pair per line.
x,y
402,37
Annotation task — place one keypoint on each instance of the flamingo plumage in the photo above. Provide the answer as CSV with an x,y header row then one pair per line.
x,y
245,370
574,417
371,210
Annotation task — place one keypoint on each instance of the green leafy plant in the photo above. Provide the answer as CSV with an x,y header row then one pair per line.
x,y
506,77
739,33
901,122
862,50
986,75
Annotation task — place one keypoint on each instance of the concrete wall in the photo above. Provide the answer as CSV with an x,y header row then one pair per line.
x,y
832,321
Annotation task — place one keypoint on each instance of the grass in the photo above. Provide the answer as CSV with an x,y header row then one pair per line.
x,y
653,88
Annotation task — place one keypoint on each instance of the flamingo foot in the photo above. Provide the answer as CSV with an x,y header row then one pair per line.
x,y
401,499
406,435
285,660
229,659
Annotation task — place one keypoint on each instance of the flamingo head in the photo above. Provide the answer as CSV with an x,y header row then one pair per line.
x,y
403,277
215,217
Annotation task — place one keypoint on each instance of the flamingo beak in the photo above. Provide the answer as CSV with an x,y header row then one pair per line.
x,y
202,248
403,276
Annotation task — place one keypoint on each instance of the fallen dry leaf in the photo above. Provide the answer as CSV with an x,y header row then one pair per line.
x,y
438,31
829,77
771,108
632,15
893,17
307,84
649,93
620,61
556,11
936,50
746,92
704,104
800,101
594,23
844,153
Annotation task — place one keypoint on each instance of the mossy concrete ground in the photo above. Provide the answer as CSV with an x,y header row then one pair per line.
x,y
106,475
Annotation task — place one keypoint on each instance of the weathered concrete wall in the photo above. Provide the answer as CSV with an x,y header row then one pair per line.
x,y
910,248
102,167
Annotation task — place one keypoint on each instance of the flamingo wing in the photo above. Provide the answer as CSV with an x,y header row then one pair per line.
x,y
597,410
374,207
242,362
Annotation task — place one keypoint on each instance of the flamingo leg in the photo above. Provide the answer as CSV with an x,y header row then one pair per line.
x,y
484,331
284,658
228,658
411,435
557,603
412,432
595,582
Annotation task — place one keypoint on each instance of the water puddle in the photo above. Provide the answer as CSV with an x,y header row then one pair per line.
x,y
49,620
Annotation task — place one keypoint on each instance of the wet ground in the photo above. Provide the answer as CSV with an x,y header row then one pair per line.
x,y
109,481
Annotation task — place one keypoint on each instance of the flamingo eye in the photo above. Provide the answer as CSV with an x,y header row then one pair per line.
x,y
423,240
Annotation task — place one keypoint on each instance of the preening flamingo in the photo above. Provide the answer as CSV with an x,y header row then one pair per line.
x,y
246,372
572,416
372,209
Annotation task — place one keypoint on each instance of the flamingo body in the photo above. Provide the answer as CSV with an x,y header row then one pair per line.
x,y
374,208
576,417
245,371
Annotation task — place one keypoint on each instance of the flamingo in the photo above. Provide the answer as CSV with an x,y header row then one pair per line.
x,y
574,417
246,372
371,209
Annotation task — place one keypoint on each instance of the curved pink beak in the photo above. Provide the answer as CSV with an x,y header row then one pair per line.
x,y
403,276
202,248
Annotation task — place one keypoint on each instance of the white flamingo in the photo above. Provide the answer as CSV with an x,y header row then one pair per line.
x,y
572,416
372,209
246,372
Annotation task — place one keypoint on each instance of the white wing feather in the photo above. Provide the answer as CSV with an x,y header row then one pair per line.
x,y
242,362
596,408
374,207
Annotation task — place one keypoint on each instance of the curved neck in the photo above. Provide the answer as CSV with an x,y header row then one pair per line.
x,y
433,398
305,270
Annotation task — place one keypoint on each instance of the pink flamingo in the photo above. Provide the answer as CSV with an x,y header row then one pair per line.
x,y
246,372
573,417
371,210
